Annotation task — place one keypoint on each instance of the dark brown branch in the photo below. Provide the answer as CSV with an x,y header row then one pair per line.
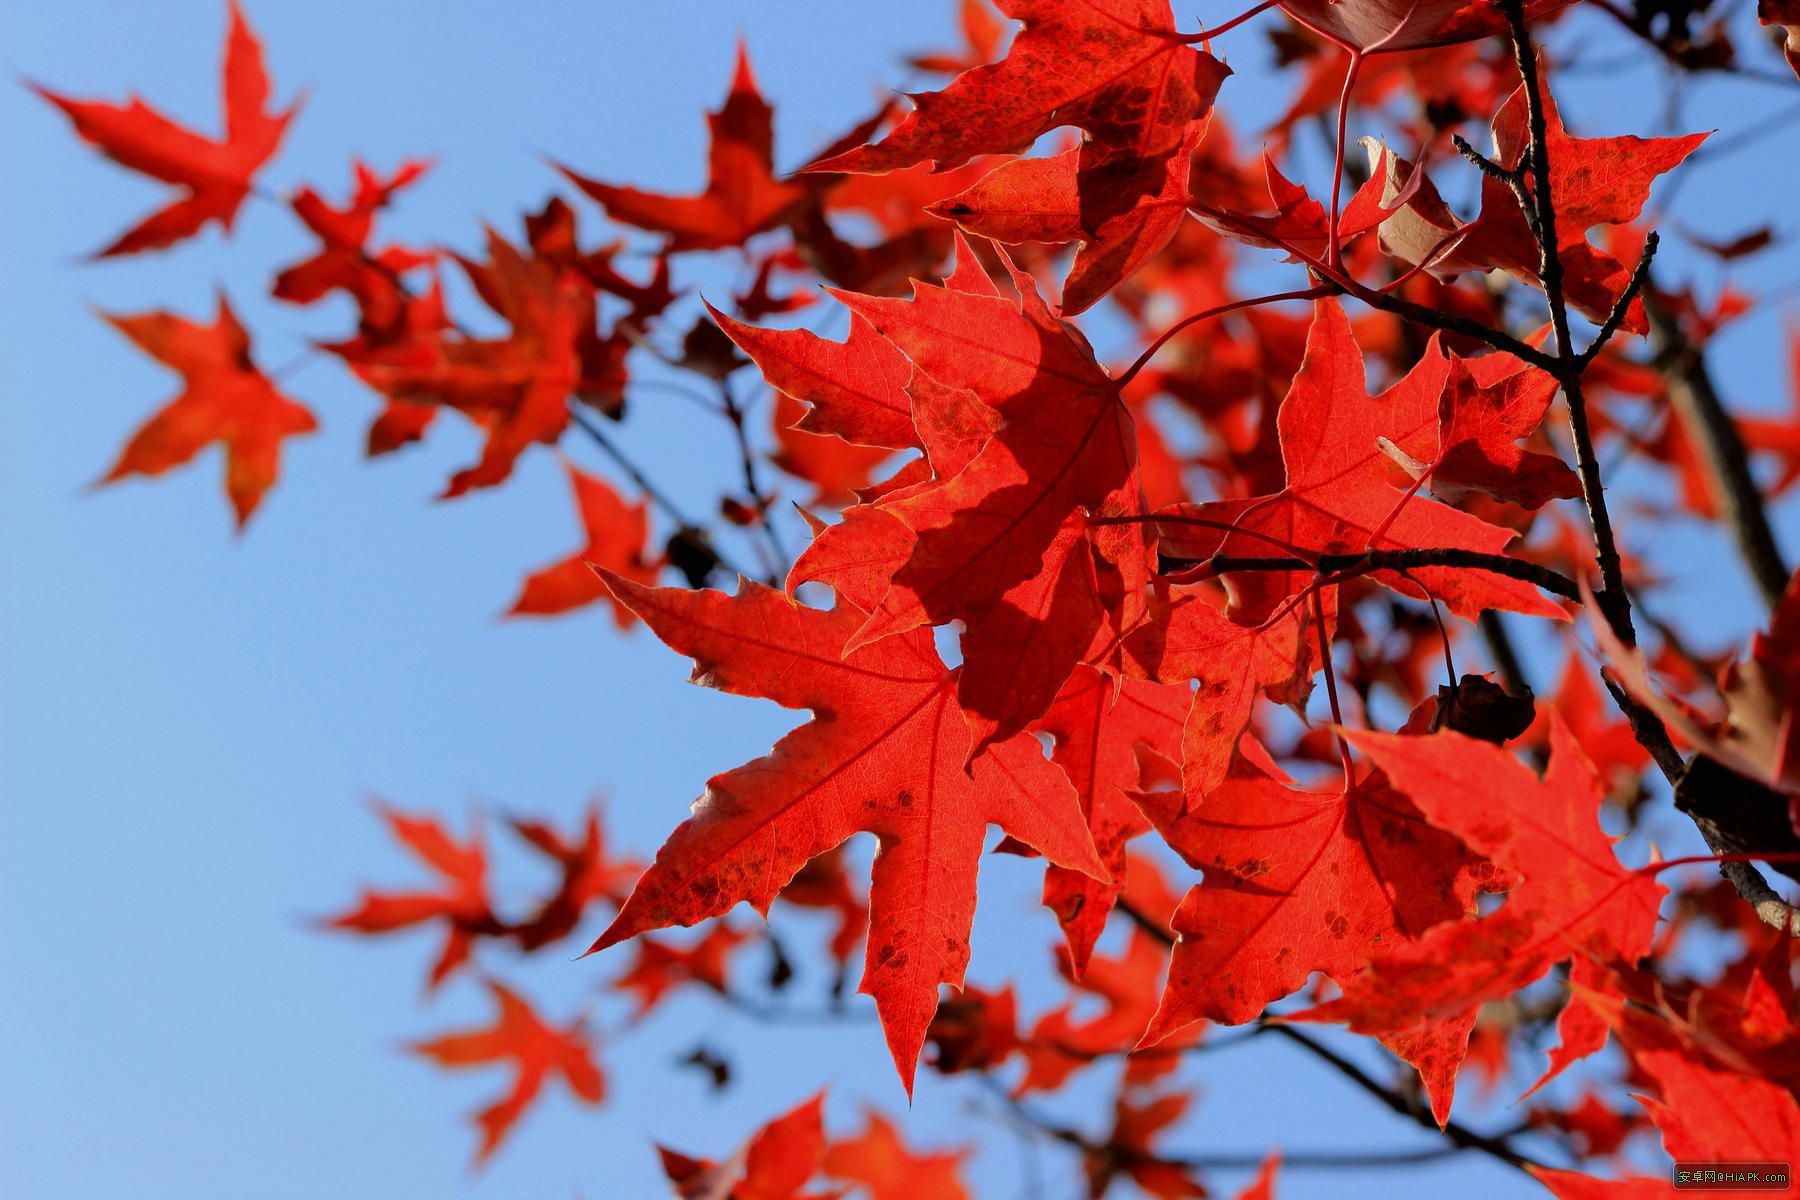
x,y
1460,1136
1393,560
1431,318
1648,730
1483,163
1711,429
1506,656
1615,605
759,499
654,494
1700,800
1639,276
1755,891
1449,322
1300,1160
1721,446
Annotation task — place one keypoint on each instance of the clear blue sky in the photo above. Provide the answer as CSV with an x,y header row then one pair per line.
x,y
191,720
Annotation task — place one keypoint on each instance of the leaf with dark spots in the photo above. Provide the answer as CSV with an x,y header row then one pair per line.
x,y
1296,882
886,727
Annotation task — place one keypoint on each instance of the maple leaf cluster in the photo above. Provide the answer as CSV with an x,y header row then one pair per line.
x,y
1180,618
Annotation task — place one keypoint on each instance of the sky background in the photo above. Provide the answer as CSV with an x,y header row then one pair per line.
x,y
191,722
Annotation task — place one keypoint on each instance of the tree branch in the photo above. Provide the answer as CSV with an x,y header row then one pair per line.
x,y
655,495
1390,560
1506,655
1615,605
1715,435
1622,305
752,486
1299,1160
1461,1136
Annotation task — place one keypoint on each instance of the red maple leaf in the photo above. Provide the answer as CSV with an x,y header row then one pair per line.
x,y
515,388
974,1030
616,535
1115,68
774,1165
588,874
885,753
1593,181
742,196
1297,882
855,389
661,966
216,174
1602,733
981,31
1544,831
461,903
1340,497
1263,1186
1297,223
537,1052
1099,725
1232,666
1575,896
879,1162
1488,406
1004,543
1039,200
1581,1028
1126,985
1709,1111
344,260
836,468
224,399
1127,1153
824,883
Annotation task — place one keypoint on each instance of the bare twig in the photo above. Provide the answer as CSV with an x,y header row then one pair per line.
x,y
651,492
1461,1136
1495,1146
1028,1117
1484,164
1622,305
759,499
1392,560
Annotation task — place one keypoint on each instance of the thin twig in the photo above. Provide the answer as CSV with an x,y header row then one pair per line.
x,y
651,492
1393,560
1028,1117
1484,164
759,499
1162,339
1460,1135
1639,276
1495,1146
